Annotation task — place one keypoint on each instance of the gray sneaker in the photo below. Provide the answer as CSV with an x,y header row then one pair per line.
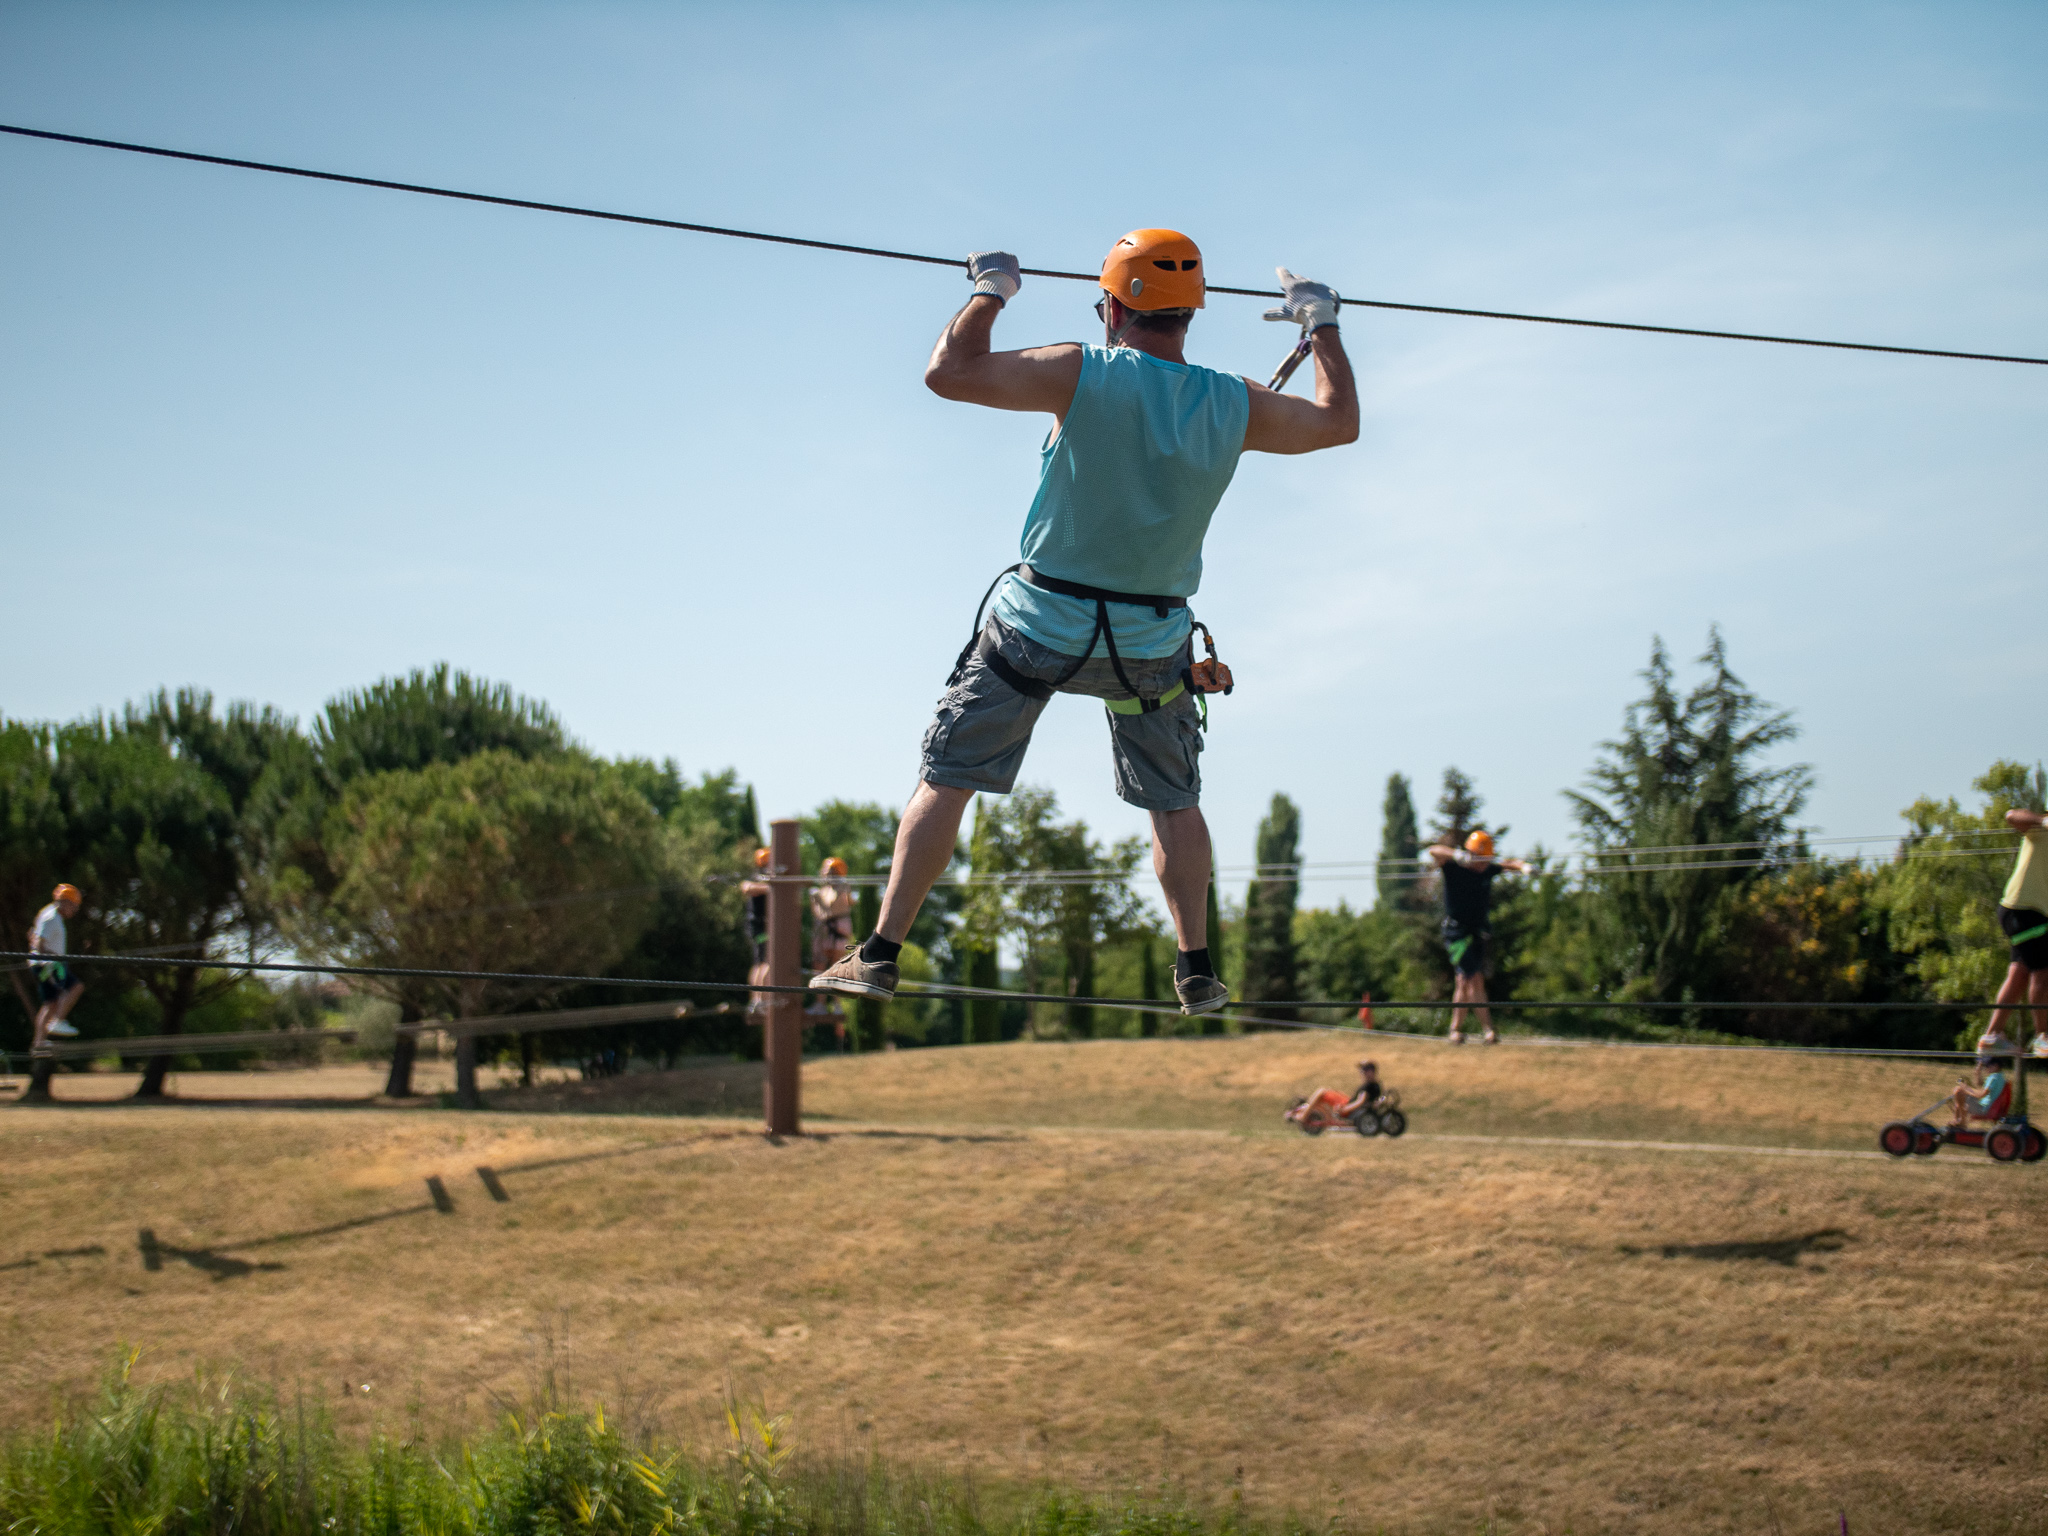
x,y
1201,994
859,978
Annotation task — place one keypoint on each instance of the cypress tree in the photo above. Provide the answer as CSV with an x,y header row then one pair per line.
x,y
1211,1023
1270,972
1400,843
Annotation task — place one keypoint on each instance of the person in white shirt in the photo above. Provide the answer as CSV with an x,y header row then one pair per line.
x,y
56,988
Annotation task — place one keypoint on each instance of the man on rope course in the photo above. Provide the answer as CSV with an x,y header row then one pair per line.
x,y
1142,447
1468,875
2023,915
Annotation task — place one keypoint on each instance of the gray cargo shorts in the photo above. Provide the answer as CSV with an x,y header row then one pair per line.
x,y
983,725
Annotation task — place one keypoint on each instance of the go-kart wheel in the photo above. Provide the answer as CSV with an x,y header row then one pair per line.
x,y
1897,1139
2004,1144
1311,1127
1926,1141
1366,1123
2036,1147
1393,1122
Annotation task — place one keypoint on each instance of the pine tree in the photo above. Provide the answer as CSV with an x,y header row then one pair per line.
x,y
1270,972
1684,775
1457,809
1399,843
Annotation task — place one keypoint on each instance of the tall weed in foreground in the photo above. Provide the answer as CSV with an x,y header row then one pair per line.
x,y
221,1458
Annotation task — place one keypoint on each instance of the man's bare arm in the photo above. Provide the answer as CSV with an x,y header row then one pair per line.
x,y
1282,423
2024,821
963,367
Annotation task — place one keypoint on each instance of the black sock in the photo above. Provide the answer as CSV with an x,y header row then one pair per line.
x,y
878,949
1192,962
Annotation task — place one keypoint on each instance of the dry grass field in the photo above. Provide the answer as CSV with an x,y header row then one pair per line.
x,y
1519,1088
1070,1261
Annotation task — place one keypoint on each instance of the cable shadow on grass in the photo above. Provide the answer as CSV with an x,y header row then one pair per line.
x,y
219,1265
219,1261
938,1136
540,1163
1777,1250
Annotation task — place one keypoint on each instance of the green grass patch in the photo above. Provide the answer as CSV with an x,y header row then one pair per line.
x,y
221,1455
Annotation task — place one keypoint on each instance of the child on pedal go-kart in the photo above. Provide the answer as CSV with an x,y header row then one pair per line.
x,y
1370,1110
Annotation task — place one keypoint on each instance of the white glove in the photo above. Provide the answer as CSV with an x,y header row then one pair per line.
x,y
1311,305
994,272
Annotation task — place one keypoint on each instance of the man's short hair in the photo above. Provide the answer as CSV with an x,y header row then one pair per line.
x,y
1169,322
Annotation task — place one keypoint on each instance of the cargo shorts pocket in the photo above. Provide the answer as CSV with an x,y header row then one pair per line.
x,y
1158,757
979,732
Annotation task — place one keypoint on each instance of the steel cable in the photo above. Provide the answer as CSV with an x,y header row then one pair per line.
x,y
844,248
935,989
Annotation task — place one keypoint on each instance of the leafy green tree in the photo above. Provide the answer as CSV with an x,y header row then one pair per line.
x,y
404,724
1941,898
981,931
176,788
147,812
1688,774
429,716
717,800
1400,844
1817,932
1270,972
1386,951
466,866
1058,921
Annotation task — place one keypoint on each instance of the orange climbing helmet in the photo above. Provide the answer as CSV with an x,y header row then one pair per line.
x,y
1155,269
834,868
67,892
1480,843
760,858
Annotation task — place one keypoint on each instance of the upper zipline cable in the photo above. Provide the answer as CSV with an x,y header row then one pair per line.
x,y
950,261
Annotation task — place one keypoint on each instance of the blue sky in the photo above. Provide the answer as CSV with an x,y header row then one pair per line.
x,y
280,439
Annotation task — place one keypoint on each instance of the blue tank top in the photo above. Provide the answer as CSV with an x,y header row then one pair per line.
x,y
1125,493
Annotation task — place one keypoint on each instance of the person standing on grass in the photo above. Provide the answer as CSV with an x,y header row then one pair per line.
x,y
1142,447
1468,875
57,990
2023,915
755,893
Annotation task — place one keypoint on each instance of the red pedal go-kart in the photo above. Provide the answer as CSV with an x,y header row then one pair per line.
x,y
1318,1114
2005,1133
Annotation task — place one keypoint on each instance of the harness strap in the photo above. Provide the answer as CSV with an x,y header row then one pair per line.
x,y
2031,933
1159,604
1105,633
1145,706
1030,687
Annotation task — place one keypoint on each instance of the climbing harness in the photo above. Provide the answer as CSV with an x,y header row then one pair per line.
x,y
1203,677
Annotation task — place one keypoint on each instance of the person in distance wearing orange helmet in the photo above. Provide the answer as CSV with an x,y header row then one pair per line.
x,y
831,915
1468,875
755,892
1142,447
57,990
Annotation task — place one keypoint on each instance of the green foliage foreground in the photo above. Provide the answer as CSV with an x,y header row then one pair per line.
x,y
222,1457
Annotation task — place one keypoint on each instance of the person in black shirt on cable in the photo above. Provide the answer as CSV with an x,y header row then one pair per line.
x,y
1468,894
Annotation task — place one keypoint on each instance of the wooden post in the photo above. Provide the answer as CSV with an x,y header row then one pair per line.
x,y
785,1032
465,1072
